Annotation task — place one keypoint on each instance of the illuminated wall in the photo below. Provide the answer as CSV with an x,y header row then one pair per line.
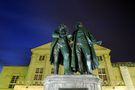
x,y
10,75
113,75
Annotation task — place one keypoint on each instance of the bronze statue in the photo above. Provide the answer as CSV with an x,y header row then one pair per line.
x,y
76,52
84,58
60,50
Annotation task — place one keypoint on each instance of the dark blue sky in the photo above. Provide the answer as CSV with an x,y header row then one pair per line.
x,y
25,24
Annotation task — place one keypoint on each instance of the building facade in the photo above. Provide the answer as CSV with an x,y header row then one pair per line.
x,y
115,76
10,75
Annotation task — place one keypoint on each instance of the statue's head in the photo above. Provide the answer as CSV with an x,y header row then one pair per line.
x,y
62,28
79,24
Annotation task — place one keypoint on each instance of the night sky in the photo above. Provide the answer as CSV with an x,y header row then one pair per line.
x,y
25,24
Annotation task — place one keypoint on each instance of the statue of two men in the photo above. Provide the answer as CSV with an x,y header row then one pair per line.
x,y
76,52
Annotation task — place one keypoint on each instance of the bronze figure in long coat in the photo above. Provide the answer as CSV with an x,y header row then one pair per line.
x,y
84,58
60,50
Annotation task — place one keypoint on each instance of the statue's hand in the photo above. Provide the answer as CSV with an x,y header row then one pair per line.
x,y
99,42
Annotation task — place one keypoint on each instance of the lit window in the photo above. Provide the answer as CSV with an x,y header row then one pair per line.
x,y
102,74
38,74
13,81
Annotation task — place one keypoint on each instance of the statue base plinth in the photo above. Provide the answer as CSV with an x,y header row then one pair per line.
x,y
72,82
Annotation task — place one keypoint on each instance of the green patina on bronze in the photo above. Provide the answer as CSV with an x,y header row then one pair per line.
x,y
60,50
84,58
76,52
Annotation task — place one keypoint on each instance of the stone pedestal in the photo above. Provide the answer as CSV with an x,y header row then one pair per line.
x,y
72,82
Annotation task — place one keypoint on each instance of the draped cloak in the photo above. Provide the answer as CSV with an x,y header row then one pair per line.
x,y
94,62
56,37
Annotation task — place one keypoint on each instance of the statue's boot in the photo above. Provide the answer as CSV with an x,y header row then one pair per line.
x,y
80,64
81,68
68,73
89,70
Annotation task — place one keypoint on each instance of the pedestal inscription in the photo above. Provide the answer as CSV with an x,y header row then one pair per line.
x,y
72,82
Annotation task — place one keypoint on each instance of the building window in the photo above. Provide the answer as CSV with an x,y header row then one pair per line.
x,y
41,70
35,77
13,81
37,70
38,77
102,74
42,58
38,74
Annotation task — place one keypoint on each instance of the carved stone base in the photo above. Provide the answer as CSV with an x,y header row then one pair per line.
x,y
72,82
